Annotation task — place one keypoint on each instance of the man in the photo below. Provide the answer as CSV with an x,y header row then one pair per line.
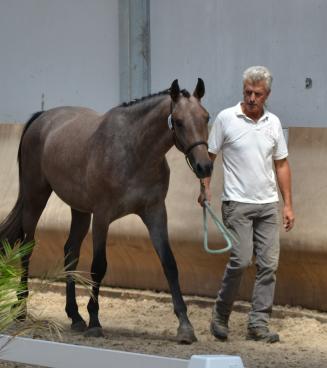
x,y
251,140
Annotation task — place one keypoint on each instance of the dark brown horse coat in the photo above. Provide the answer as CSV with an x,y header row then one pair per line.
x,y
109,166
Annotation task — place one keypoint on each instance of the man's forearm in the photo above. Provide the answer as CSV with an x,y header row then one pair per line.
x,y
284,180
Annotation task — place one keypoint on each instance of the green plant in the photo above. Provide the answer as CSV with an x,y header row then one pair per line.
x,y
12,307
10,275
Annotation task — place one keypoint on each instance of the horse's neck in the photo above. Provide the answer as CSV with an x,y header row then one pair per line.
x,y
152,135
159,136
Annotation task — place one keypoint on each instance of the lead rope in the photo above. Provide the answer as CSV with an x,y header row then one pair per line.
x,y
228,236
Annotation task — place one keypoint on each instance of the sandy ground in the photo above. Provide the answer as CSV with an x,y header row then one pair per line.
x,y
144,322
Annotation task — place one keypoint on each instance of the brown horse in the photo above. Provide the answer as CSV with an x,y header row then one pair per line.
x,y
109,166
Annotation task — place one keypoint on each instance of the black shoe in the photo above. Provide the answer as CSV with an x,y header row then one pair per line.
x,y
219,326
262,334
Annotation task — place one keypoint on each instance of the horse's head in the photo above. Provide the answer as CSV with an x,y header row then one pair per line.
x,y
189,123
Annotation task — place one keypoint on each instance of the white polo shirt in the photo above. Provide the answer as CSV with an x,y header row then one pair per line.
x,y
248,150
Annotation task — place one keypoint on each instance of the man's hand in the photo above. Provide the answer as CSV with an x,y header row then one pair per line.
x,y
288,218
205,194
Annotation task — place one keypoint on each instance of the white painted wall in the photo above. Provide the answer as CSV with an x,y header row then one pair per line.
x,y
68,50
65,49
218,39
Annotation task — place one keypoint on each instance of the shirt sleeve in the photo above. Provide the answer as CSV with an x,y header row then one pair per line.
x,y
280,149
215,140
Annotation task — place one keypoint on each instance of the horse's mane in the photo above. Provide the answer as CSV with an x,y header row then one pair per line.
x,y
184,92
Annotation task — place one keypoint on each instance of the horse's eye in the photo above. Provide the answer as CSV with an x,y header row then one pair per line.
x,y
178,123
209,118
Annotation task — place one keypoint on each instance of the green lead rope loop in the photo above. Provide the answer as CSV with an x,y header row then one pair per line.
x,y
228,236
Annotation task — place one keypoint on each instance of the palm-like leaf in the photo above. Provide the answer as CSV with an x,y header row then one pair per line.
x,y
10,287
12,308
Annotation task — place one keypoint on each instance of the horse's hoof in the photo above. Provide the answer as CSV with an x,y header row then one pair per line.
x,y
21,318
79,326
94,332
19,312
185,335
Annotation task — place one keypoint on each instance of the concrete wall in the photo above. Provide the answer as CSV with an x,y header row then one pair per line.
x,y
68,52
63,52
218,39
132,261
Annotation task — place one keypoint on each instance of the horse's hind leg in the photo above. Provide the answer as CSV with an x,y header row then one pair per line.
x,y
78,230
155,218
34,201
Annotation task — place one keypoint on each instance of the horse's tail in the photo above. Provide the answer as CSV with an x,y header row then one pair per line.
x,y
11,228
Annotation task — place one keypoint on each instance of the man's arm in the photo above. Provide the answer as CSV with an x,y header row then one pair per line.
x,y
283,174
205,194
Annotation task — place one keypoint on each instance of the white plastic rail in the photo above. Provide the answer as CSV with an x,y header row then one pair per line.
x,y
59,355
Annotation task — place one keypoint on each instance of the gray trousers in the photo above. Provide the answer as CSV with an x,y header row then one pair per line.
x,y
256,226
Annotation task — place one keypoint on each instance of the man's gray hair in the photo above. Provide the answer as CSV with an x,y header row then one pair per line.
x,y
258,73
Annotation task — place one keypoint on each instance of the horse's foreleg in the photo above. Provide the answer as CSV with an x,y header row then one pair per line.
x,y
78,230
98,270
155,218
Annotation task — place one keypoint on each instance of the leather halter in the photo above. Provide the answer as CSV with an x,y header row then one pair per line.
x,y
186,151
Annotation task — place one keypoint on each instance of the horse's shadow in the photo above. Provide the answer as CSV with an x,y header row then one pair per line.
x,y
123,333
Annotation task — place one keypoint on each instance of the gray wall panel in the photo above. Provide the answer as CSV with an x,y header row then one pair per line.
x,y
218,39
66,50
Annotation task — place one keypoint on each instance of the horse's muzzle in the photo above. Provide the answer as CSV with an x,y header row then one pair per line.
x,y
203,170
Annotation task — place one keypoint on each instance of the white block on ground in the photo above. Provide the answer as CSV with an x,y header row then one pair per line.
x,y
215,361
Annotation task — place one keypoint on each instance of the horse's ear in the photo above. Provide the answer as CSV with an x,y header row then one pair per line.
x,y
174,90
199,89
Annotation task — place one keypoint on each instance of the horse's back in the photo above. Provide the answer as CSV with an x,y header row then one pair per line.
x,y
60,131
67,119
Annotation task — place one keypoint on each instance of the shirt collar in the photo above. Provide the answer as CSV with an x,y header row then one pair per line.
x,y
240,113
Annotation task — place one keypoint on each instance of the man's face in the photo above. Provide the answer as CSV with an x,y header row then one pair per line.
x,y
255,96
